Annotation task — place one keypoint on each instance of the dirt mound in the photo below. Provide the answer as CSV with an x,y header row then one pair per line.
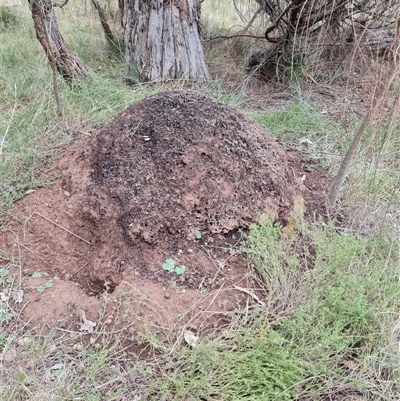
x,y
170,181
180,162
173,165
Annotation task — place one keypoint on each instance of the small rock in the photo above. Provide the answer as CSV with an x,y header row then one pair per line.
x,y
78,347
159,279
190,281
166,296
182,279
24,341
28,272
67,194
137,274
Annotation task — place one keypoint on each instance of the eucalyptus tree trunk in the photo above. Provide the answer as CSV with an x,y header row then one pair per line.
x,y
162,39
48,33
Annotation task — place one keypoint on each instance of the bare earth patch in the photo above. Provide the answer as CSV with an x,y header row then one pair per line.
x,y
176,176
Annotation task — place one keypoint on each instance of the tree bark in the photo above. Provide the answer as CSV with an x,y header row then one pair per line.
x,y
104,23
162,39
47,31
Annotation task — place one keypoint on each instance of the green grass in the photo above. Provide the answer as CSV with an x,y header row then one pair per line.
x,y
303,127
29,127
64,373
347,285
240,368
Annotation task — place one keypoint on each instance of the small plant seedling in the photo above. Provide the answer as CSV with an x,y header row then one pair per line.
x,y
169,265
47,284
197,234
4,276
36,275
179,270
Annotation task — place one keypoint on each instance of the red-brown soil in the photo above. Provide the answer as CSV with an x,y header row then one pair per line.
x,y
142,190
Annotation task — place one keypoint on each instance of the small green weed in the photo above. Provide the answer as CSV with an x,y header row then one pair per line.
x,y
169,265
332,309
5,278
47,284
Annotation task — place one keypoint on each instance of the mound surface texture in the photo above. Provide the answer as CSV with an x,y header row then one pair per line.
x,y
171,165
175,163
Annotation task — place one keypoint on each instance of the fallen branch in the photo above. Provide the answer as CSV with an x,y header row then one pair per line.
x,y
234,36
63,228
251,293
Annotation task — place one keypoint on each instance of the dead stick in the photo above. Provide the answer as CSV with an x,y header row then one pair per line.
x,y
63,228
251,293
73,274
